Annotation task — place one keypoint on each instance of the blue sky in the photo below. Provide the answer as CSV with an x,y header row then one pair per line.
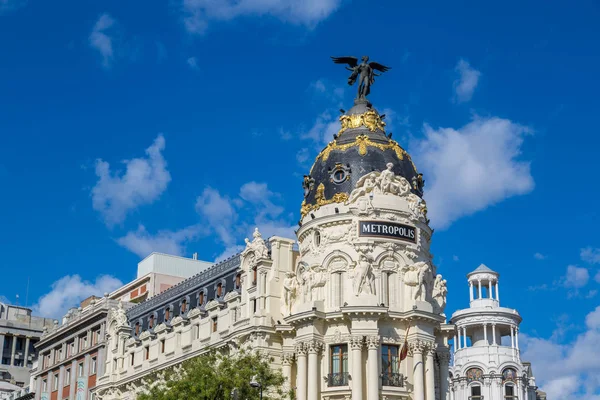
x,y
180,125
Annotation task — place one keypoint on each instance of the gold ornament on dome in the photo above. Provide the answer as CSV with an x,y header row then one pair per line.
x,y
370,120
320,200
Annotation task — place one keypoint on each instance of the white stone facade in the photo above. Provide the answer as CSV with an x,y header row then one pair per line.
x,y
487,361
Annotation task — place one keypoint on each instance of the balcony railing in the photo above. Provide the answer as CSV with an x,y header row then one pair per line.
x,y
337,379
392,379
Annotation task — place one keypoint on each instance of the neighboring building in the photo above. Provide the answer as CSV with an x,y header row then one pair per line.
x,y
19,332
156,273
24,393
73,353
333,316
487,358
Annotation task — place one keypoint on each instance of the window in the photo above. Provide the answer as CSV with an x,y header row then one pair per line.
x,y
132,358
92,396
183,306
95,337
219,290
55,382
198,331
151,322
167,314
162,346
57,352
339,365
82,342
254,306
214,324
137,329
201,299
67,377
238,281
475,393
70,349
390,365
80,369
509,392
44,385
93,366
147,352
254,275
317,238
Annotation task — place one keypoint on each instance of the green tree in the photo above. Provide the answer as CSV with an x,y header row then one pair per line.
x,y
214,376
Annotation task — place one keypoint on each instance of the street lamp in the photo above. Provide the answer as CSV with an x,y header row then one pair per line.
x,y
255,384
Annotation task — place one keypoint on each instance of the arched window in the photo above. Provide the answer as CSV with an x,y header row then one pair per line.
x,y
254,276
137,329
238,281
151,322
167,314
219,289
183,306
201,299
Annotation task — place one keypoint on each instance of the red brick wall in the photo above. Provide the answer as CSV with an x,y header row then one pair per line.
x,y
65,391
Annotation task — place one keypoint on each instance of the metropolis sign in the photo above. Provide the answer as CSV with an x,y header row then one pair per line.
x,y
389,230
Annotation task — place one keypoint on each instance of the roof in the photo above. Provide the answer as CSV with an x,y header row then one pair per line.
x,y
482,269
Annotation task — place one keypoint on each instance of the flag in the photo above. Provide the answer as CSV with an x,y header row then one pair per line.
x,y
404,349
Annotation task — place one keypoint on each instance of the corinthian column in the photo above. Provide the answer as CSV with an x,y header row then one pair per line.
x,y
301,378
373,368
444,360
430,373
286,360
416,349
356,344
313,370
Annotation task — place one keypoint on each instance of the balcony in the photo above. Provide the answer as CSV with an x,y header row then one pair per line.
x,y
337,379
392,379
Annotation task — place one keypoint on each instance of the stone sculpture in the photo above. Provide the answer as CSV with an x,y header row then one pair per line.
x,y
364,281
257,246
289,292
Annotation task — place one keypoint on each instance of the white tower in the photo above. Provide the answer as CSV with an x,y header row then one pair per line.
x,y
486,363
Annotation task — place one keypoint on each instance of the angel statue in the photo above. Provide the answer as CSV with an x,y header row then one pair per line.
x,y
365,72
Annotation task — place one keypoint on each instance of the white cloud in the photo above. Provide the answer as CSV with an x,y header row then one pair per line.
x,y
302,155
192,62
220,213
331,92
465,84
142,243
576,277
323,129
590,255
566,371
199,13
539,256
469,169
100,40
69,291
144,180
455,258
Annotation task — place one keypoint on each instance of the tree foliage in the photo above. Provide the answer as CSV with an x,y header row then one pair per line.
x,y
214,376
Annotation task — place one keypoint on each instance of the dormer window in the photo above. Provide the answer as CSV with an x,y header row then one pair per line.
x,y
151,322
167,314
183,306
219,290
254,275
238,281
137,329
201,299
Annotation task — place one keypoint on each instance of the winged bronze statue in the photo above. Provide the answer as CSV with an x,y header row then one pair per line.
x,y
364,72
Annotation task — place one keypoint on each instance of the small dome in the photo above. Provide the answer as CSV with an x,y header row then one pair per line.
x,y
360,147
482,269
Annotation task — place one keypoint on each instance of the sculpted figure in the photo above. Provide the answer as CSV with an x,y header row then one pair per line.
x,y
364,186
118,314
390,183
364,73
318,278
416,278
289,292
257,245
439,293
364,281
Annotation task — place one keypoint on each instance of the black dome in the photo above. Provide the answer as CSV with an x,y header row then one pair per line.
x,y
361,146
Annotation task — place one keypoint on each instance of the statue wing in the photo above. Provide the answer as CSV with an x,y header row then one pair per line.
x,y
351,61
379,67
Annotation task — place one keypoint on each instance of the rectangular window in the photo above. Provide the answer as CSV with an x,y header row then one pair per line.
x,y
254,306
254,276
132,358
509,392
80,369
214,324
201,299
162,346
93,365
198,331
475,393
55,382
45,385
238,281
339,365
390,366
147,352
67,376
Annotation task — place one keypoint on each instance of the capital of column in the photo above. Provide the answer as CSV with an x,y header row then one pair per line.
x,y
443,357
313,346
301,349
416,347
356,342
287,358
373,342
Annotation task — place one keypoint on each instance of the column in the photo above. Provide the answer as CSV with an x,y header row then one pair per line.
x,y
373,368
1,346
479,289
418,389
357,390
485,333
301,378
14,349
444,359
490,289
429,373
455,342
26,351
465,337
517,338
512,337
313,370
494,334
471,290
497,293
286,369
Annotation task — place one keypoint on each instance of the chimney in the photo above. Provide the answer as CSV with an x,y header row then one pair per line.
x,y
195,256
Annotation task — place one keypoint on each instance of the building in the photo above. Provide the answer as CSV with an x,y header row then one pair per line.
x,y
487,359
333,315
73,353
19,332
